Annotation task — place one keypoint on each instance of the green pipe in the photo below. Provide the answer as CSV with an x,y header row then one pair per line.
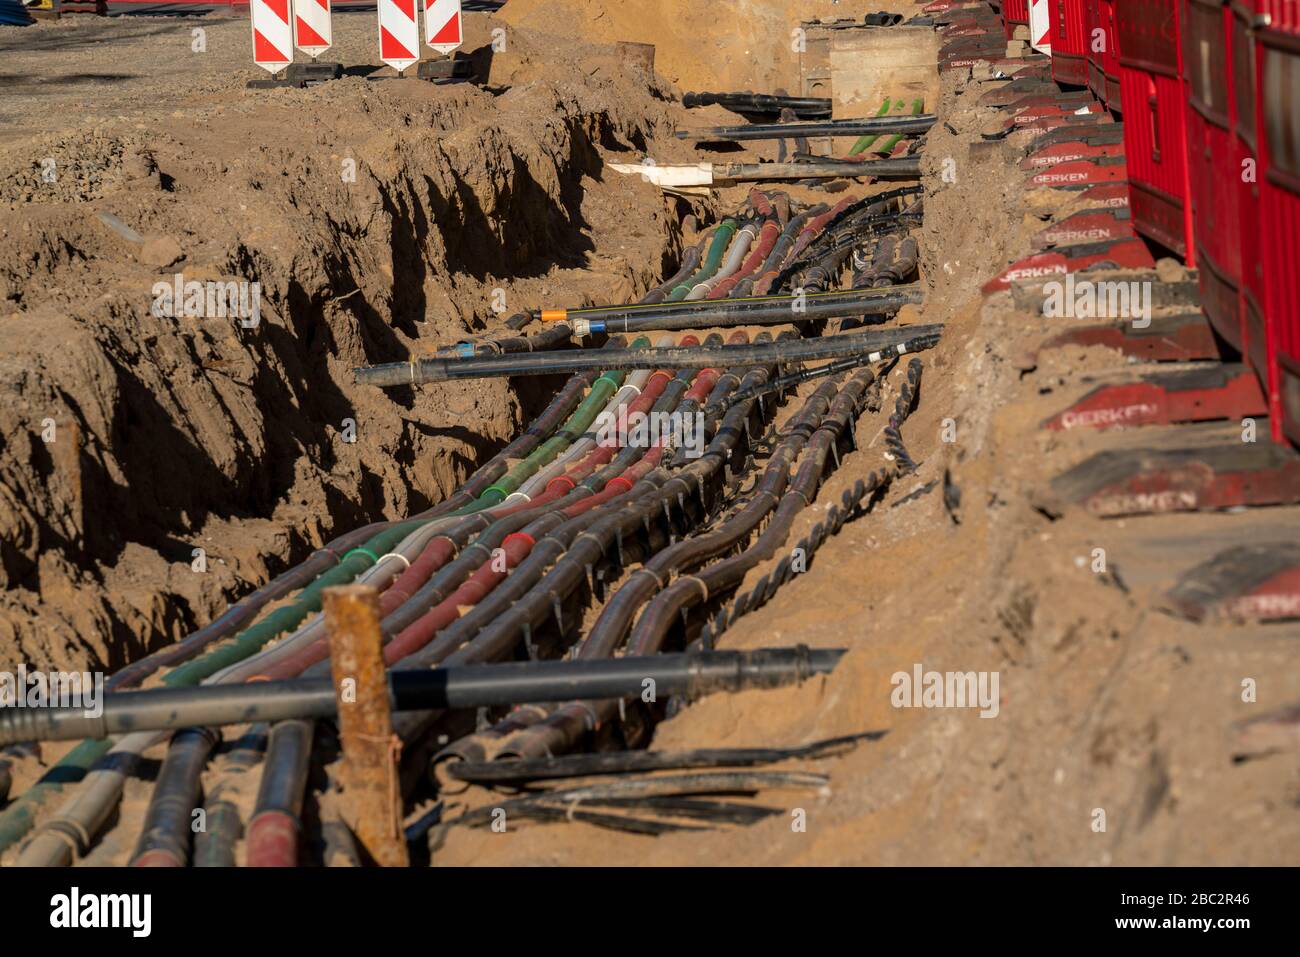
x,y
889,144
865,141
721,240
17,819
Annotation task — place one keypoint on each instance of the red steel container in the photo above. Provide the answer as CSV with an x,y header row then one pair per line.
x,y
1108,10
1095,27
1246,167
1155,137
1277,51
1069,42
1015,13
1215,185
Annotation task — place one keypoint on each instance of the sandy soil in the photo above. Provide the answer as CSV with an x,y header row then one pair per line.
x,y
1106,702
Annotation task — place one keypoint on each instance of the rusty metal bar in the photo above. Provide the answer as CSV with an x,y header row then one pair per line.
x,y
369,773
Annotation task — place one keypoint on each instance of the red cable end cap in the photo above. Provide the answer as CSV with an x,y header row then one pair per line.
x,y
627,486
561,478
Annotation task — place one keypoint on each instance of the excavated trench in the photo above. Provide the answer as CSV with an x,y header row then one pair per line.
x,y
377,220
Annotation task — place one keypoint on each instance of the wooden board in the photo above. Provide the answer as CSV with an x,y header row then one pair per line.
x,y
858,66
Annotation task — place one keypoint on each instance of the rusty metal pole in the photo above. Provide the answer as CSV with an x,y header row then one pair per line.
x,y
369,774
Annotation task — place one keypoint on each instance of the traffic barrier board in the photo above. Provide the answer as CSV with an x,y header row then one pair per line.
x,y
442,25
313,33
399,34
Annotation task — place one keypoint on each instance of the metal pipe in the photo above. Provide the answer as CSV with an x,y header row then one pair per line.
x,y
420,371
467,686
906,167
760,103
165,837
706,308
918,123
797,310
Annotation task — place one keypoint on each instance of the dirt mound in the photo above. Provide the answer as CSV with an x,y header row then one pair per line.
x,y
725,45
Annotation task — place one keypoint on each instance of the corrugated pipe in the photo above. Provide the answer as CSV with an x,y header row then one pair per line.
x,y
729,263
649,632
165,837
515,548
309,646
322,559
565,727
610,482
771,267
762,247
274,827
17,819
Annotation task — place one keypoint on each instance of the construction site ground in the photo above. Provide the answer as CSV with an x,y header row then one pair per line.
x,y
384,218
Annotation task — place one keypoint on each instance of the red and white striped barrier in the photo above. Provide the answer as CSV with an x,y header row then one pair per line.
x,y
313,32
1040,26
442,25
272,34
399,33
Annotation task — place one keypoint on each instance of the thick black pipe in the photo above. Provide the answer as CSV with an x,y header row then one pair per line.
x,y
274,829
759,103
797,310
420,371
705,307
284,778
778,131
165,837
905,167
468,686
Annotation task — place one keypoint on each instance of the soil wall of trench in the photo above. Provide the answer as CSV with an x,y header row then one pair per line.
x,y
378,219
